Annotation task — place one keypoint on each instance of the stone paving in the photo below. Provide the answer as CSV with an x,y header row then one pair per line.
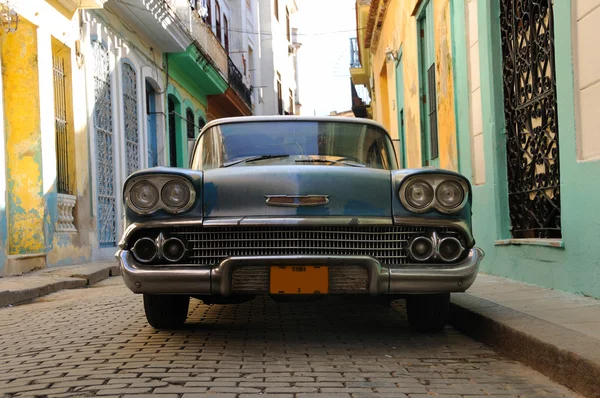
x,y
96,342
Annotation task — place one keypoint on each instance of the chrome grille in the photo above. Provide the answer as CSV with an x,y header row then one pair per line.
x,y
211,245
342,279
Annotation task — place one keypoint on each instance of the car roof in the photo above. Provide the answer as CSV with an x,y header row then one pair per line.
x,y
292,118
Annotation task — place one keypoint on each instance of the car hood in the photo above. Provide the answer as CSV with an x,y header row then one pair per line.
x,y
243,191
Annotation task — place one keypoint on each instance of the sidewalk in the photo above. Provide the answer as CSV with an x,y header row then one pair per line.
x,y
23,288
554,332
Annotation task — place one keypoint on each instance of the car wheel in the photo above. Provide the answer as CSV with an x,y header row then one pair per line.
x,y
166,311
428,313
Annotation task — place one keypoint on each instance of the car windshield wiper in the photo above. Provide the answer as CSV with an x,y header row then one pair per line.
x,y
248,159
344,162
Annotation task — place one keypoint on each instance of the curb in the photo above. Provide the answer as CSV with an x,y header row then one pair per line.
x,y
564,355
17,290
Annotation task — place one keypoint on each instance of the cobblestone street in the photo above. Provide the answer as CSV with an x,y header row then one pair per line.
x,y
96,342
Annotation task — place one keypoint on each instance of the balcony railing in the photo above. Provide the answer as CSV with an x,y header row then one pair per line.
x,y
236,81
209,43
354,58
201,34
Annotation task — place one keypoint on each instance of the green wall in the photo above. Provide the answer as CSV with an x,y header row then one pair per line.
x,y
575,267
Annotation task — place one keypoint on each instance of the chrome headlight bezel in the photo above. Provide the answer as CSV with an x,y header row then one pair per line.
x,y
435,180
159,181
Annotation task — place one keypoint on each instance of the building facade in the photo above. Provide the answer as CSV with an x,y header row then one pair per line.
x,y
91,92
277,85
503,92
44,185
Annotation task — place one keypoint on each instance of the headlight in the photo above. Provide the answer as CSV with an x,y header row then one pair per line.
x,y
449,194
144,195
175,194
419,194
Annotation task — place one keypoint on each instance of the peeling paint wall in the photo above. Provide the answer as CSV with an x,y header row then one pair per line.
x,y
445,85
399,31
23,140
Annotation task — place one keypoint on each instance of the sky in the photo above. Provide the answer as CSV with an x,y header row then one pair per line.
x,y
324,29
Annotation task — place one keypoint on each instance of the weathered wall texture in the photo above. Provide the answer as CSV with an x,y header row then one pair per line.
x,y
23,140
445,85
576,266
399,30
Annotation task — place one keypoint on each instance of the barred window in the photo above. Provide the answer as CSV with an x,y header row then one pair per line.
x,y
189,118
130,116
60,122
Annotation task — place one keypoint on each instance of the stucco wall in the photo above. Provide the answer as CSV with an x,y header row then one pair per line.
x,y
576,266
23,140
399,31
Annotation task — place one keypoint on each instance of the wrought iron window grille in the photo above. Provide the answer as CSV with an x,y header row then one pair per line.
x,y
530,107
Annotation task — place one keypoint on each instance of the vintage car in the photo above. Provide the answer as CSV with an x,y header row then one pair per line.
x,y
296,208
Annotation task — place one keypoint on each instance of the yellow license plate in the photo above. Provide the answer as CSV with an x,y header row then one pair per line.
x,y
299,279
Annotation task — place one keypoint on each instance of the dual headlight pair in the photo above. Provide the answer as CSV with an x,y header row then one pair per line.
x,y
147,194
422,193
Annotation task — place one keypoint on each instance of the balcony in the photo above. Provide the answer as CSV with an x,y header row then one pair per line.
x,y
358,73
201,34
154,19
236,82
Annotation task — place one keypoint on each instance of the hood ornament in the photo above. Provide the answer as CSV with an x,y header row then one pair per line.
x,y
297,200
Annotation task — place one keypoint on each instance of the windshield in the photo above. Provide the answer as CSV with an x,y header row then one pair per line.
x,y
294,142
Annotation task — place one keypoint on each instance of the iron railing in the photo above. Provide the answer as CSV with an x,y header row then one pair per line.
x,y
236,81
60,123
530,108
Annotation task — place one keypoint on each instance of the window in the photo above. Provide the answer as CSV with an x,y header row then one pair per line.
x,y
130,116
291,104
172,132
189,118
209,13
532,128
357,142
279,95
106,188
276,9
287,25
226,33
191,131
218,20
62,115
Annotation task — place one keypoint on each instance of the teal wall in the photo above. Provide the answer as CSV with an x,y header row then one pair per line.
x,y
574,267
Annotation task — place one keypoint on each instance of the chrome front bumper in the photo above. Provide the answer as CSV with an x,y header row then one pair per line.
x,y
216,280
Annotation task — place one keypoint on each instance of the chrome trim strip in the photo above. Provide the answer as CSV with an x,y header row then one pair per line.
x,y
277,200
195,280
325,221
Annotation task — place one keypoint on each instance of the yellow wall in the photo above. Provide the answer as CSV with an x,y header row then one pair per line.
x,y
23,140
400,29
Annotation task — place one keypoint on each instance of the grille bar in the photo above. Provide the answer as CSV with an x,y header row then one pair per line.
x,y
210,245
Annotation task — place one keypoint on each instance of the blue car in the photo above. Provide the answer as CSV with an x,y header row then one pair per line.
x,y
297,208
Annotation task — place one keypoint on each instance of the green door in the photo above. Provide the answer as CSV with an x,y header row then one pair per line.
x,y
400,107
429,128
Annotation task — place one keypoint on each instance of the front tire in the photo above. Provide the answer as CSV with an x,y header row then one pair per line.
x,y
428,313
166,311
